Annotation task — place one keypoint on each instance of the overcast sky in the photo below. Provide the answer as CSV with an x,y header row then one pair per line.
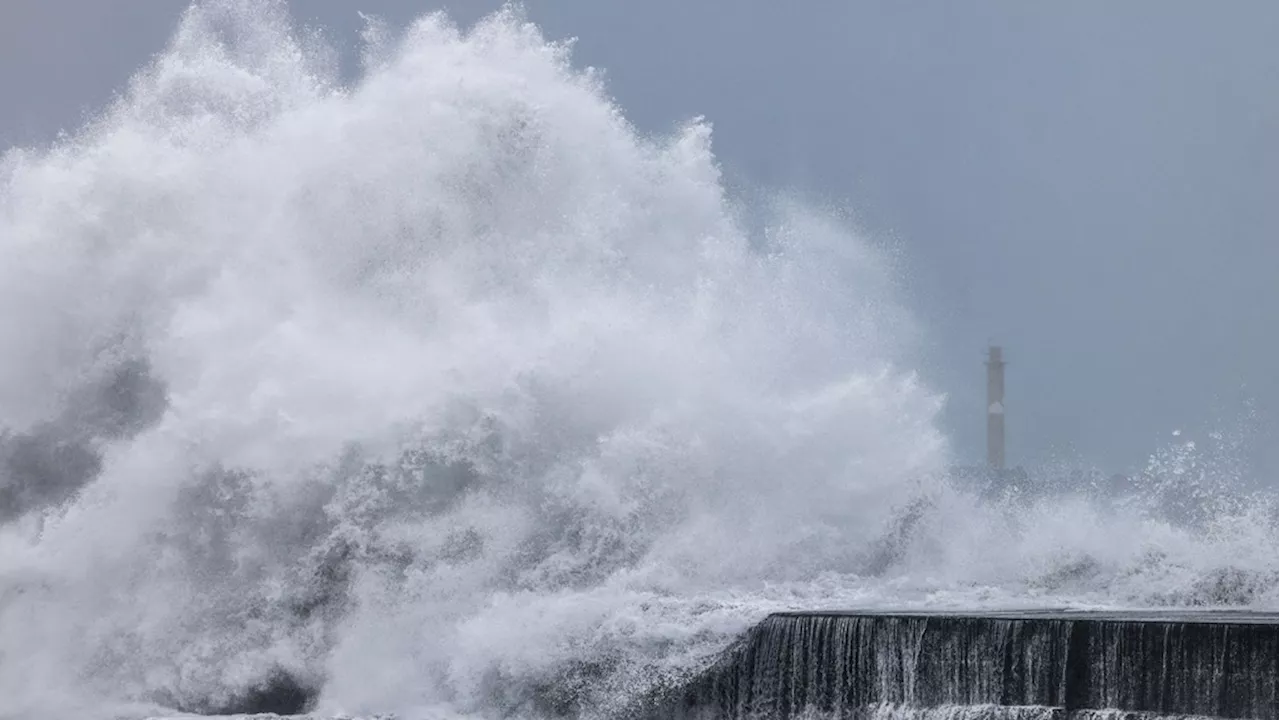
x,y
1093,184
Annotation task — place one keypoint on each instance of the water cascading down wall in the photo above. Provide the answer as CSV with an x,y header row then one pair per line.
x,y
1027,665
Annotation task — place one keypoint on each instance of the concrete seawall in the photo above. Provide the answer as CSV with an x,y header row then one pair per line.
x,y
999,665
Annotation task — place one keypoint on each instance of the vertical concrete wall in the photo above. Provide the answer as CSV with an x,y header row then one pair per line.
x,y
877,665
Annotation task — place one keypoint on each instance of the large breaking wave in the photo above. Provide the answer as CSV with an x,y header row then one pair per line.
x,y
445,390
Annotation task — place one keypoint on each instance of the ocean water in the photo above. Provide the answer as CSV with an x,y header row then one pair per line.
x,y
444,392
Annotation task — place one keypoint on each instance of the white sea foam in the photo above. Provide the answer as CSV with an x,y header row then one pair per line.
x,y
449,392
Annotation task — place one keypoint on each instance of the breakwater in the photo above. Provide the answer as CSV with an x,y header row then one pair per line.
x,y
1010,665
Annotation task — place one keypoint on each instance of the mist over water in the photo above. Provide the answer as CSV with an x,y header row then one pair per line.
x,y
444,391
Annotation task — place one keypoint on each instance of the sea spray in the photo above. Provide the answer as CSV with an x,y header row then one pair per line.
x,y
450,334
452,390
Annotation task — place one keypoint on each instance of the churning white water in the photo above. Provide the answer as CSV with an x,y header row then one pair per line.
x,y
446,391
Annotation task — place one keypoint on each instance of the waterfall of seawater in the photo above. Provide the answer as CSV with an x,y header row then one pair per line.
x,y
864,666
443,390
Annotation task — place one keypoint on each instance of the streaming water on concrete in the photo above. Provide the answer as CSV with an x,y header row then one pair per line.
x,y
852,666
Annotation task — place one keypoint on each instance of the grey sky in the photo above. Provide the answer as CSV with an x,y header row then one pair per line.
x,y
1091,183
